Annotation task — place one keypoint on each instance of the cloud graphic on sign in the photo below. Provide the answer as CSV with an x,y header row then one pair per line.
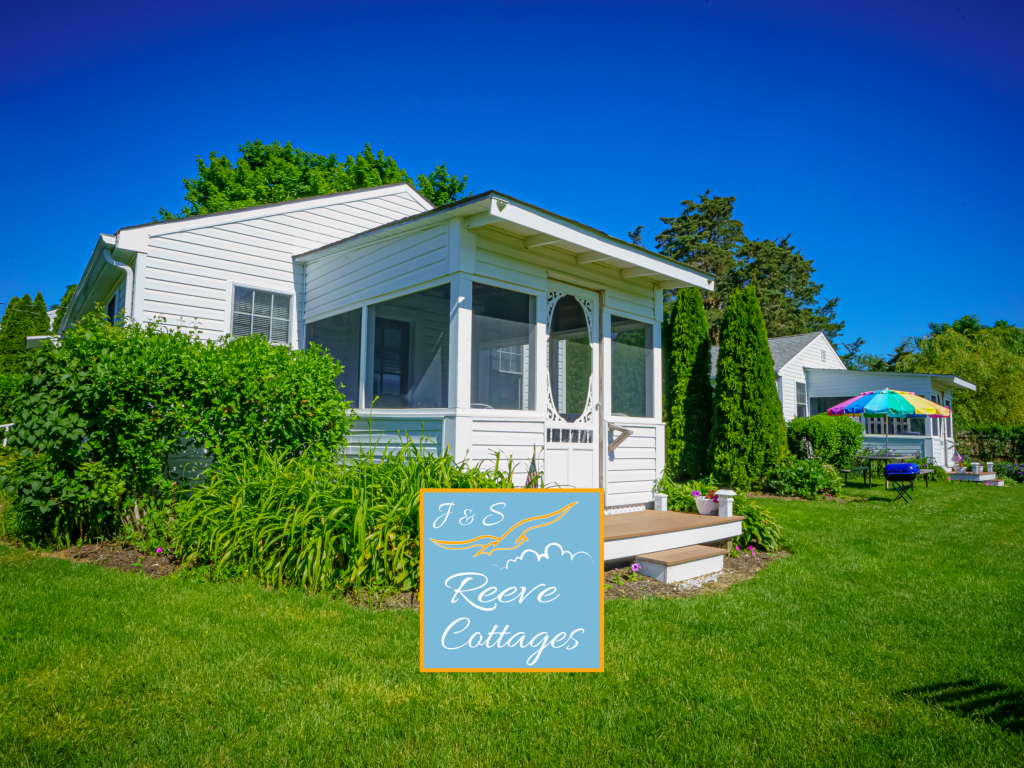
x,y
546,555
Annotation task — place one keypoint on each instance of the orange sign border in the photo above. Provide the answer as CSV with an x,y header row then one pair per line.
x,y
423,539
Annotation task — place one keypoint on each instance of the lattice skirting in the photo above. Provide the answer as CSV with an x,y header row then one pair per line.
x,y
628,508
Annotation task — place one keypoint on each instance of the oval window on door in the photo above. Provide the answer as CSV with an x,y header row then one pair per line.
x,y
569,358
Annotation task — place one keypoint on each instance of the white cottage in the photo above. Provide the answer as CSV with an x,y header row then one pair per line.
x,y
487,328
811,378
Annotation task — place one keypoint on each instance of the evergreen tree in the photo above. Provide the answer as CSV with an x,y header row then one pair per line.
x,y
748,432
687,388
62,307
23,317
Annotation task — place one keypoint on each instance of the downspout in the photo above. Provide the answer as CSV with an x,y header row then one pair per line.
x,y
129,281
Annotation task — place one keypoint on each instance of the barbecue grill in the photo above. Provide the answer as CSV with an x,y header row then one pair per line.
x,y
902,477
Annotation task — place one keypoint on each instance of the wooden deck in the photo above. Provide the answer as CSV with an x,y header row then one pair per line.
x,y
639,533
632,524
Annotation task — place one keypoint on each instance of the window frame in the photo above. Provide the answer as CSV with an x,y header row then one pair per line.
x,y
801,404
262,285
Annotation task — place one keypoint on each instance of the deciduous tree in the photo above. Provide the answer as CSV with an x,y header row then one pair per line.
x,y
272,173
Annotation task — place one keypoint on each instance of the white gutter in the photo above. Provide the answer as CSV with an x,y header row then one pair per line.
x,y
129,293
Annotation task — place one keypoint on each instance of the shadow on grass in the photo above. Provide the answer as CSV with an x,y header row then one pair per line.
x,y
995,702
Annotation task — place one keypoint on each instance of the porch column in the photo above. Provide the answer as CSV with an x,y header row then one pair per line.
x,y
460,343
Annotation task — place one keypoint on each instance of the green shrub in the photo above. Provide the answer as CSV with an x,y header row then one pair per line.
x,y
10,383
100,414
833,439
803,477
991,442
310,522
688,391
759,527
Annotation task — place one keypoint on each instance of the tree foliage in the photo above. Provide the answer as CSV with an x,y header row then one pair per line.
x,y
989,356
23,317
272,173
748,432
832,439
706,235
688,401
62,307
98,416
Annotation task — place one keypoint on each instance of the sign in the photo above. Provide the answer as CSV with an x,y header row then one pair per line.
x,y
512,580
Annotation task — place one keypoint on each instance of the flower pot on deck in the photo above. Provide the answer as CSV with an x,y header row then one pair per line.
x,y
706,506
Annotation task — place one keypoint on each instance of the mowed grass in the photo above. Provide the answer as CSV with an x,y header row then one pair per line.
x,y
894,635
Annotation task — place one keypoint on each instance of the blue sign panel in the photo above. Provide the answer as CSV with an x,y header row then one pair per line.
x,y
512,580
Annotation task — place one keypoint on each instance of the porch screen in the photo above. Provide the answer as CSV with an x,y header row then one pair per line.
x,y
408,361
261,312
632,367
502,323
340,336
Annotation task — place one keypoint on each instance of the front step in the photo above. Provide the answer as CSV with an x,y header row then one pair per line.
x,y
630,534
683,563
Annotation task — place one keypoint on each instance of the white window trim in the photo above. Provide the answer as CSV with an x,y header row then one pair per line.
x,y
257,284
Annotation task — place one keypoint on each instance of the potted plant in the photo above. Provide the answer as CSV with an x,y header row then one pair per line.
x,y
707,504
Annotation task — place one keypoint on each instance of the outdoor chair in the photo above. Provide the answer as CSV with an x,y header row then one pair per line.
x,y
902,477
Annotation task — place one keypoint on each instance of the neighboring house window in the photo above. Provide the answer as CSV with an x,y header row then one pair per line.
x,y
822,404
823,355
112,309
801,399
261,312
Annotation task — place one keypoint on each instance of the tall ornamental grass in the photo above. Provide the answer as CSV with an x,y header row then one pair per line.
x,y
309,522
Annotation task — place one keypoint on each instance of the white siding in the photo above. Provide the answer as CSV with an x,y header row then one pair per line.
x,y
336,283
633,468
190,273
393,432
515,438
818,354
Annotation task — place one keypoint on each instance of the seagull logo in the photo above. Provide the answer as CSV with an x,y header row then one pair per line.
x,y
488,545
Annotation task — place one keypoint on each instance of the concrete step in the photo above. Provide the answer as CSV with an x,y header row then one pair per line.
x,y
630,534
682,563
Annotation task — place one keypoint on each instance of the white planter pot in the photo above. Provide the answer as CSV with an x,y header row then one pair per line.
x,y
706,506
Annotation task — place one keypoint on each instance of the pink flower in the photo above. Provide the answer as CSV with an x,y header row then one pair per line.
x,y
635,567
159,550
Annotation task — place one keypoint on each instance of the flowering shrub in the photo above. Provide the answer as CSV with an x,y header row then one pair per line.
x,y
1010,470
759,527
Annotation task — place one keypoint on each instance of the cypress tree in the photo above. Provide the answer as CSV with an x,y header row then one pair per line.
x,y
748,431
687,388
23,317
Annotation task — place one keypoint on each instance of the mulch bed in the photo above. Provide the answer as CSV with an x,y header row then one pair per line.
x,y
121,557
622,583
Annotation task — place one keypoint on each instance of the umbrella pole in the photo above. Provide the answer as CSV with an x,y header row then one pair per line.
x,y
887,435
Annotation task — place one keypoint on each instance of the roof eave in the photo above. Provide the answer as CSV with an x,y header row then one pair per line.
x,y
502,208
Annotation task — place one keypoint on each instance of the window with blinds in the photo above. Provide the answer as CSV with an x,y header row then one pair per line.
x,y
261,312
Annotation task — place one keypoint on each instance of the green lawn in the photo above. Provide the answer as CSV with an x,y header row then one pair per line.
x,y
894,635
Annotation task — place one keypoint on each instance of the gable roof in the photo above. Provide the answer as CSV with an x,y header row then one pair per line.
x,y
783,349
538,228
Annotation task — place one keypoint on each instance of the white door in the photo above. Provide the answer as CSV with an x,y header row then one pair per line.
x,y
572,437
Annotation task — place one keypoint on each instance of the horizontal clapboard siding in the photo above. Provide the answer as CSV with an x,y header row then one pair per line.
x,y
189,273
632,469
513,439
335,283
390,433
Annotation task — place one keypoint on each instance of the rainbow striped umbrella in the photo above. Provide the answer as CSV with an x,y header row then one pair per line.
x,y
888,402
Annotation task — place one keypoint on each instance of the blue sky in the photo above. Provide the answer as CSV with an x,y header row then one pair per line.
x,y
885,136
